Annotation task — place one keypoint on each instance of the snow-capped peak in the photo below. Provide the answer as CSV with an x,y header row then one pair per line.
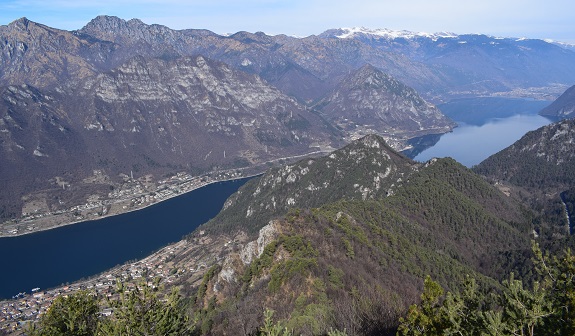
x,y
565,45
391,34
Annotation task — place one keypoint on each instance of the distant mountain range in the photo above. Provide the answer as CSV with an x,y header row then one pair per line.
x,y
119,96
436,65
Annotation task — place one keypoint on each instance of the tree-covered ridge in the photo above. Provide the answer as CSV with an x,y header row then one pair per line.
x,y
356,264
543,159
365,169
468,218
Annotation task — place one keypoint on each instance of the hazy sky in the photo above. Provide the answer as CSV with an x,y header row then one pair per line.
x,y
554,19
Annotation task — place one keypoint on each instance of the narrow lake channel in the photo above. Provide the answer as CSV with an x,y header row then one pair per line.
x,y
49,258
485,126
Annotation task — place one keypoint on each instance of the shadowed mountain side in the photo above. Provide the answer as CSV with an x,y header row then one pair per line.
x,y
542,160
563,107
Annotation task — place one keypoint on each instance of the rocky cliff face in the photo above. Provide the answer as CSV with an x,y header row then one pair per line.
x,y
152,116
166,101
369,100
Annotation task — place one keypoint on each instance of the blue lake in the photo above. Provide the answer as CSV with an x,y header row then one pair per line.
x,y
470,144
66,254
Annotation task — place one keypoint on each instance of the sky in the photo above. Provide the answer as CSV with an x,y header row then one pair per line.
x,y
544,19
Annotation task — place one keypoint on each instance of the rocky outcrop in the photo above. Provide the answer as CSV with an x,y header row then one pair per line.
x,y
371,99
235,263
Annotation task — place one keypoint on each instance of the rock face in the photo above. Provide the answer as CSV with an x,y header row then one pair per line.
x,y
563,107
371,99
151,115
160,103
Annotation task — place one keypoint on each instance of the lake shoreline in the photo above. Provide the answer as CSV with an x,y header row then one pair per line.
x,y
252,171
50,258
64,224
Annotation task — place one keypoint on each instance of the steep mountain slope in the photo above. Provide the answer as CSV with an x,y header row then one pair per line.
x,y
542,160
563,107
368,98
150,116
357,262
539,169
168,101
38,142
365,169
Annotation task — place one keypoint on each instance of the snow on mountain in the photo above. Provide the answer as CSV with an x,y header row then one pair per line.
x,y
391,34
569,46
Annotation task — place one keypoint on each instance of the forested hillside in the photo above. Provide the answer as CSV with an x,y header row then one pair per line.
x,y
542,160
356,263
341,245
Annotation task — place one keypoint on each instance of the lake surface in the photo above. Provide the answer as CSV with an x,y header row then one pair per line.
x,y
49,258
470,144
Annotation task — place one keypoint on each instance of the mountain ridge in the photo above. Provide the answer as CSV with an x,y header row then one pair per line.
x,y
100,79
306,263
563,107
417,65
